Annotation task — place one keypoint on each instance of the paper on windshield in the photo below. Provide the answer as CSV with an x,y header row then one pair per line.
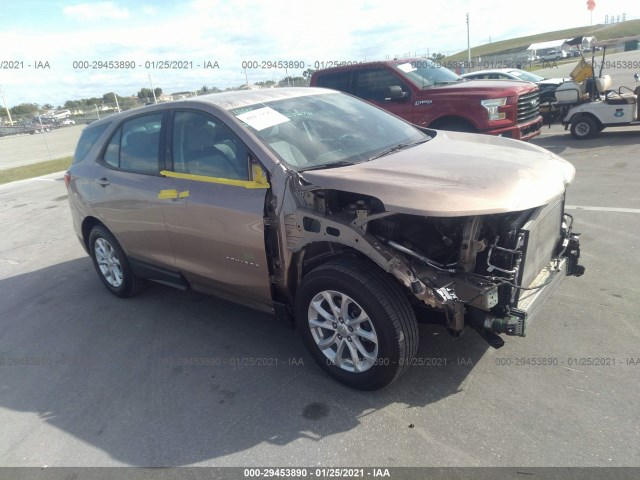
x,y
262,118
406,67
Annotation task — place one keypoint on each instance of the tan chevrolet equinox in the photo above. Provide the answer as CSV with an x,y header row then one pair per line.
x,y
329,212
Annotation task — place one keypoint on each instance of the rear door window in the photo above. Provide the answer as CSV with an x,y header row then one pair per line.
x,y
336,81
135,146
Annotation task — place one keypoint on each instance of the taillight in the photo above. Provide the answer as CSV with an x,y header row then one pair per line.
x,y
67,179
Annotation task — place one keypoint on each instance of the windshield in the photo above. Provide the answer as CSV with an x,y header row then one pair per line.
x,y
326,130
529,77
425,73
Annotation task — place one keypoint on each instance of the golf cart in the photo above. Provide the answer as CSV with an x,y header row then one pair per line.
x,y
590,105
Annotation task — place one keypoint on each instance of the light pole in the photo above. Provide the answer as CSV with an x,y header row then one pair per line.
x,y
5,107
155,100
468,43
116,97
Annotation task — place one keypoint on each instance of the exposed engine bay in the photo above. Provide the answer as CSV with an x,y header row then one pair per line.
x,y
484,271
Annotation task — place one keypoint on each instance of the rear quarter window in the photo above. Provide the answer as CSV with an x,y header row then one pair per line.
x,y
87,140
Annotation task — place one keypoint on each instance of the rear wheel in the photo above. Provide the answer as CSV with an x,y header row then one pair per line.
x,y
112,264
584,127
356,322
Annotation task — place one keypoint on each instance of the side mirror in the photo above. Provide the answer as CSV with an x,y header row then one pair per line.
x,y
395,93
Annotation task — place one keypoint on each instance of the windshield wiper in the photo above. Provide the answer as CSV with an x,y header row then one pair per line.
x,y
341,163
397,148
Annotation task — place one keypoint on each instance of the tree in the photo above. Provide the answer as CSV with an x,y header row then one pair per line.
x,y
47,106
437,57
109,97
24,109
90,102
157,91
293,82
308,72
205,90
145,94
266,84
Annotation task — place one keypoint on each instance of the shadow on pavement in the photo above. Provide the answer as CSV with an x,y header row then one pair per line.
x,y
173,378
559,143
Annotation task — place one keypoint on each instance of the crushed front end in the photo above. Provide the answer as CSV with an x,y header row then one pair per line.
x,y
489,272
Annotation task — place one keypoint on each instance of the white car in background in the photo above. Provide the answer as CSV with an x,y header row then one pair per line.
x,y
68,121
553,55
547,86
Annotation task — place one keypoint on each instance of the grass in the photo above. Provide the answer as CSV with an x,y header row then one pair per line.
x,y
35,170
601,32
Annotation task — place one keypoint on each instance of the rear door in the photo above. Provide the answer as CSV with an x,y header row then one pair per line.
x,y
216,224
127,189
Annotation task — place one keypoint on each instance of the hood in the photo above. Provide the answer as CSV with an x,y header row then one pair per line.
x,y
456,174
554,81
483,88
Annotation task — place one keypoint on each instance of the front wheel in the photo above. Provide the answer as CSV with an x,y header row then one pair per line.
x,y
584,127
357,323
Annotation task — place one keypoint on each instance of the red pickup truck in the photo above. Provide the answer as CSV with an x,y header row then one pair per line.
x,y
429,95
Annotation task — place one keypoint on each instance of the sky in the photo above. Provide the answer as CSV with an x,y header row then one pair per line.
x,y
54,35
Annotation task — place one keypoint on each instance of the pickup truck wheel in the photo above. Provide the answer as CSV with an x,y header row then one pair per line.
x,y
356,323
112,265
584,127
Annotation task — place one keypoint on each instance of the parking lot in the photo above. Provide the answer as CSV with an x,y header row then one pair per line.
x,y
19,150
174,378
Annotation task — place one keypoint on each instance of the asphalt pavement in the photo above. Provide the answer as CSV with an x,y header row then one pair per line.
x,y
26,149
174,378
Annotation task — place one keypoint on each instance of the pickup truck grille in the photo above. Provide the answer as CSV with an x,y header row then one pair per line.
x,y
528,106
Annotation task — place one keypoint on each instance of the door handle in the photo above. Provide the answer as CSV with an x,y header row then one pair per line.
x,y
103,182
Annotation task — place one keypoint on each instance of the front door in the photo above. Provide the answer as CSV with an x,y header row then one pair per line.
x,y
216,220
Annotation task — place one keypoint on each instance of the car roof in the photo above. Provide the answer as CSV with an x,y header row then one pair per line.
x,y
373,63
242,98
494,70
224,100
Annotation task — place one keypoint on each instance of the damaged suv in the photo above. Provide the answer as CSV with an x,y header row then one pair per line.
x,y
330,212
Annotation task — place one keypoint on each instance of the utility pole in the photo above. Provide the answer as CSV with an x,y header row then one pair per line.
x,y
468,42
116,97
5,107
155,100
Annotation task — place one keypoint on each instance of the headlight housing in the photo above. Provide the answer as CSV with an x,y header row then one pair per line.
x,y
492,106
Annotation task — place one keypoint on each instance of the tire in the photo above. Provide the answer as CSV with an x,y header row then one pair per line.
x,y
388,334
584,127
112,265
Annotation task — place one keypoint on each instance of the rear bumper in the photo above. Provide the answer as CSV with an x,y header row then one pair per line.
x,y
523,131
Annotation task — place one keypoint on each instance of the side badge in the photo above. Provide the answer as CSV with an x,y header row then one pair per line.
x,y
423,102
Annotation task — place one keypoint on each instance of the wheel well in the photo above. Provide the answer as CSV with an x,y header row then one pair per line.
x,y
449,121
315,254
577,116
87,225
